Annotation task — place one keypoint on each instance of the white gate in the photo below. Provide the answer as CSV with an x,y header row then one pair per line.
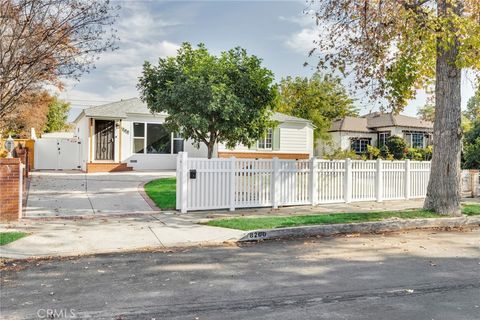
x,y
57,154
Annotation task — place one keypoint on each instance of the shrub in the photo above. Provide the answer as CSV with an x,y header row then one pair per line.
x,y
414,154
372,152
384,152
397,147
427,153
339,154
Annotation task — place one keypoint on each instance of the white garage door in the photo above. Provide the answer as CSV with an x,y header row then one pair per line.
x,y
57,154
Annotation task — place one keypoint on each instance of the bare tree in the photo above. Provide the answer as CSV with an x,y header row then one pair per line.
x,y
43,42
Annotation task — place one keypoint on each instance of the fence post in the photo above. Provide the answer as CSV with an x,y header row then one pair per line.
x,y
313,181
275,183
347,185
476,183
182,163
232,183
379,180
407,179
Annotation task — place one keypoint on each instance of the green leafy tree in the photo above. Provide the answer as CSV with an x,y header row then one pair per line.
x,y
394,47
57,115
471,149
473,133
472,112
321,99
211,99
472,155
427,112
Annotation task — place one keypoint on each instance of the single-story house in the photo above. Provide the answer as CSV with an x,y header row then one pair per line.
x,y
355,133
125,135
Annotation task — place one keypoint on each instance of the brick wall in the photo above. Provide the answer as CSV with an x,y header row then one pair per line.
x,y
10,189
23,154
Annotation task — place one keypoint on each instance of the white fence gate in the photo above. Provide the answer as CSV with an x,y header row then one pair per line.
x,y
471,183
204,184
57,154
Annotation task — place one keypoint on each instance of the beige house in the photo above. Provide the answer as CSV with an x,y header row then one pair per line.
x,y
352,133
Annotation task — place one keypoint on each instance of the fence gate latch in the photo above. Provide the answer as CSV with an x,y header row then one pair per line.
x,y
193,174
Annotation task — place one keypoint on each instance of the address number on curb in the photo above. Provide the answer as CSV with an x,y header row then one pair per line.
x,y
257,235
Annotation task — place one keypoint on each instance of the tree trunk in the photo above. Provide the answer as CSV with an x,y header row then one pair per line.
x,y
443,193
210,148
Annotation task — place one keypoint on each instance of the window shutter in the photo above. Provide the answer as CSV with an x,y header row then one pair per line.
x,y
276,139
253,146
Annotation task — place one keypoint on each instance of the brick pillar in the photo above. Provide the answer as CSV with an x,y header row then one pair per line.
x,y
22,154
10,189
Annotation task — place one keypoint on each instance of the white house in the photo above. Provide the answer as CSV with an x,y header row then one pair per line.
x,y
125,135
351,133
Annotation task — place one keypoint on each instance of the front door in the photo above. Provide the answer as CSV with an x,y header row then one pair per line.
x,y
104,139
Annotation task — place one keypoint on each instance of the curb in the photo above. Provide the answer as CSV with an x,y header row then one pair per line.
x,y
141,191
365,227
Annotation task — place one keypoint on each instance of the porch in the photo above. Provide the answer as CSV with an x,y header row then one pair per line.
x,y
105,146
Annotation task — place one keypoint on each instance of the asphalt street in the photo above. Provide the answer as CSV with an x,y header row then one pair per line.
x,y
412,275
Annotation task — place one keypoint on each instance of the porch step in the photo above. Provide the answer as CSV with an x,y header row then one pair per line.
x,y
107,167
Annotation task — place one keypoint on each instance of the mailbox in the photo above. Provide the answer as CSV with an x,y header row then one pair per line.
x,y
193,174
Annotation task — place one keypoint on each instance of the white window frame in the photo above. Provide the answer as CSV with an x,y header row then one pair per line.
x,y
136,137
268,139
176,137
386,135
410,140
367,140
172,138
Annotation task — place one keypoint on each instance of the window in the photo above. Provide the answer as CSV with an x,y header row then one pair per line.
x,y
158,139
415,139
382,138
177,143
138,137
266,142
154,138
359,145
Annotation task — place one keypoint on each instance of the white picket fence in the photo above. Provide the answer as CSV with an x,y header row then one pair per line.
x,y
204,184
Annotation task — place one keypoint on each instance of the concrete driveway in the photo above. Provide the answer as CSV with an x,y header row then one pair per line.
x,y
68,194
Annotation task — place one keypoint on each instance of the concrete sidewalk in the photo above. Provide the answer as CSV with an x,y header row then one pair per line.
x,y
67,237
103,234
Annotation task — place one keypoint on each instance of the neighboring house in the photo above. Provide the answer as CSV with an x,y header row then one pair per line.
x,y
351,133
125,135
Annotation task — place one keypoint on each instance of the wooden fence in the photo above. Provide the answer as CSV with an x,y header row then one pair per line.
x,y
204,184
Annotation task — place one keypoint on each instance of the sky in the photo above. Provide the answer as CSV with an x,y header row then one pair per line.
x,y
279,32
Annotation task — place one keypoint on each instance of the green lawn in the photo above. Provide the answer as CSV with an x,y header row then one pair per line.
x,y
162,192
7,237
471,209
335,218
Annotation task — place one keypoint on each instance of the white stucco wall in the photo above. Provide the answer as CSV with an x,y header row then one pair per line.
x,y
152,161
341,140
